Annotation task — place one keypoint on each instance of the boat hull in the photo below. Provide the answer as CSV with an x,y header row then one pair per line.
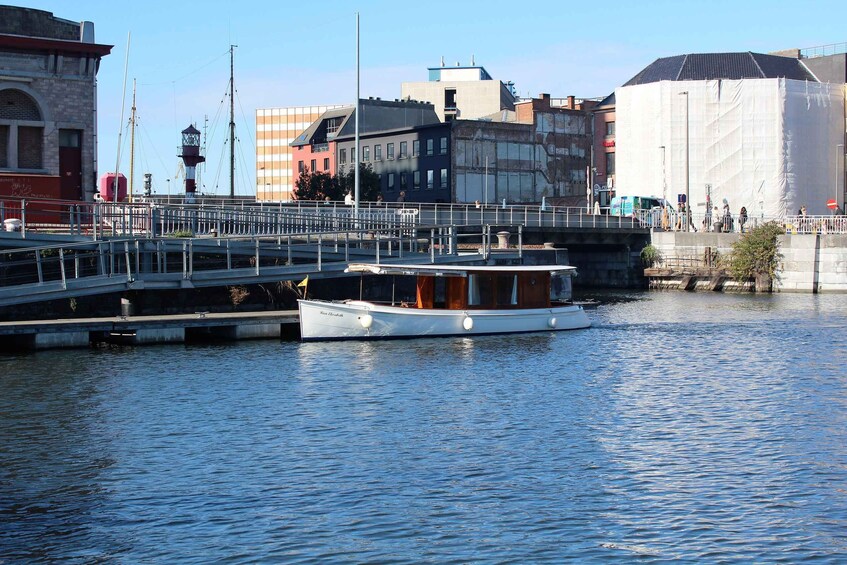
x,y
356,319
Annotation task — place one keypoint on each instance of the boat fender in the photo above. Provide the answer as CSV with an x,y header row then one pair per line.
x,y
552,322
467,323
367,320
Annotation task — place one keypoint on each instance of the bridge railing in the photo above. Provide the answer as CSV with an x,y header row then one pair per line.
x,y
733,223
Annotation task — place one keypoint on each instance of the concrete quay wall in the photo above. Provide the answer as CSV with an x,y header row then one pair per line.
x,y
810,263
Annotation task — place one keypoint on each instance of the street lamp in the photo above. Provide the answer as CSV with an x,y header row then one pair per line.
x,y
664,180
839,156
687,159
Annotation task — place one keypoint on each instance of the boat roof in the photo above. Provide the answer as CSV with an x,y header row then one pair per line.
x,y
454,270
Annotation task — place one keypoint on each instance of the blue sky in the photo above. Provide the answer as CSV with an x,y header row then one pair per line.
x,y
304,53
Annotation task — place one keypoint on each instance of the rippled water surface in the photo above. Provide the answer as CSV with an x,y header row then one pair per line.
x,y
681,427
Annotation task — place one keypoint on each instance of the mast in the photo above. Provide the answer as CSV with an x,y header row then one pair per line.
x,y
232,121
132,144
115,183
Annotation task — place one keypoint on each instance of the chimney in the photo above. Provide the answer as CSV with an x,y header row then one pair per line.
x,y
572,102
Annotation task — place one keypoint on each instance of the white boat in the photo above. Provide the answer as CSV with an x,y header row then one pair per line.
x,y
450,300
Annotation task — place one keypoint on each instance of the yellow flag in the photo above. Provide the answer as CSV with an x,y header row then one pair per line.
x,y
304,282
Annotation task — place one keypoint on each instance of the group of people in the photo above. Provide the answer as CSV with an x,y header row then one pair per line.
x,y
718,220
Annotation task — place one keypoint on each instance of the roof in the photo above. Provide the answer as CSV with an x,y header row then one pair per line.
x,y
453,270
728,66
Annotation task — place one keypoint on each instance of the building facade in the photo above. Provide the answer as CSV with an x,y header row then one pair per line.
x,y
327,144
414,161
276,129
48,105
538,153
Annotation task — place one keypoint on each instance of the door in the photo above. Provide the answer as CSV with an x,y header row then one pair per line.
x,y
70,164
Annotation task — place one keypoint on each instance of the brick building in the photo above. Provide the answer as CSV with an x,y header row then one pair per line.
x,y
48,97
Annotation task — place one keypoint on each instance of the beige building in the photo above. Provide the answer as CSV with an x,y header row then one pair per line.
x,y
462,93
276,128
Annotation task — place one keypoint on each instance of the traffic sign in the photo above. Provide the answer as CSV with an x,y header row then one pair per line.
x,y
832,204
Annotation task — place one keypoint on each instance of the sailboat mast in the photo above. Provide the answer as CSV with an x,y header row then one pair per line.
x,y
232,121
132,144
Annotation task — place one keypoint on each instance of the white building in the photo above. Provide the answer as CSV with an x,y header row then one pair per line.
x,y
757,130
463,93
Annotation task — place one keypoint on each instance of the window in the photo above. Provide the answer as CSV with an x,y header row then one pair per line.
x,y
404,149
389,149
30,147
429,146
390,181
326,163
430,178
417,181
610,163
443,178
443,147
314,165
353,155
4,146
17,106
416,148
366,154
300,167
403,183
449,98
610,128
377,152
342,156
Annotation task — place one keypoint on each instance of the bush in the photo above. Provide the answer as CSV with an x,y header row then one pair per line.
x,y
182,233
756,253
650,256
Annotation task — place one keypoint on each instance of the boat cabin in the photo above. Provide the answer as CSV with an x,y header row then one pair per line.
x,y
478,288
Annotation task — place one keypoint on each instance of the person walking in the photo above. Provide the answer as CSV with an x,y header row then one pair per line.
x,y
727,217
742,218
402,197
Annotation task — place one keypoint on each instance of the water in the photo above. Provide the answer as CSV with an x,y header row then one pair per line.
x,y
681,428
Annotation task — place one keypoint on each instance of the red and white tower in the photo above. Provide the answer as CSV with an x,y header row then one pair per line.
x,y
191,158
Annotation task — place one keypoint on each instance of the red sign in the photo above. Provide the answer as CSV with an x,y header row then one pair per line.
x,y
609,143
832,204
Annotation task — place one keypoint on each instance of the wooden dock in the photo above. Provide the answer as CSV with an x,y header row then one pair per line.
x,y
142,330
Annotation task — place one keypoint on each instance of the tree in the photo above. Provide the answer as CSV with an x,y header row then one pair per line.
x,y
369,183
756,254
317,186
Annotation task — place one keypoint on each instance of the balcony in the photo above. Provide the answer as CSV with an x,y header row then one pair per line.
x,y
320,147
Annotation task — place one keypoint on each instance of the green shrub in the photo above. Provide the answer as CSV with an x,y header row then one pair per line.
x,y
182,233
650,256
756,253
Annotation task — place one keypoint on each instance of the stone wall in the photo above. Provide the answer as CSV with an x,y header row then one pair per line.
x,y
811,262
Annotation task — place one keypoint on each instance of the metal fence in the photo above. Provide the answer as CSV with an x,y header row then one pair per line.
x,y
732,223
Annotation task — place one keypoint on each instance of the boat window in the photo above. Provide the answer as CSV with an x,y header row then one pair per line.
x,y
439,300
507,290
480,290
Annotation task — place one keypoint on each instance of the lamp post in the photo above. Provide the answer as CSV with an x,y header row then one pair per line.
x,y
839,156
664,181
687,160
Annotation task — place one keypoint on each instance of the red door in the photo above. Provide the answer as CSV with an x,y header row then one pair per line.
x,y
70,164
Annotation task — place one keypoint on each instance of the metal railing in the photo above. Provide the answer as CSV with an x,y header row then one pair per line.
x,y
732,223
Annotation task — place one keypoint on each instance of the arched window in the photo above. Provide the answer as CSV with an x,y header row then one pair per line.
x,y
21,131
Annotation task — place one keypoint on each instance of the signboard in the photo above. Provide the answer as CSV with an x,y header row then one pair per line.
x,y
680,198
832,204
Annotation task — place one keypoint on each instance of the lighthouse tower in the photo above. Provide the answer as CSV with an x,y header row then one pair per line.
x,y
191,157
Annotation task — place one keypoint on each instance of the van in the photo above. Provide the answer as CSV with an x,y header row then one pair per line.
x,y
630,205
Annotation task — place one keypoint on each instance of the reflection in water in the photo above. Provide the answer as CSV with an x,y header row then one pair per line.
x,y
682,427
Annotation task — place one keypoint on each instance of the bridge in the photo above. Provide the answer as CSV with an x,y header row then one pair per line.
x,y
54,249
